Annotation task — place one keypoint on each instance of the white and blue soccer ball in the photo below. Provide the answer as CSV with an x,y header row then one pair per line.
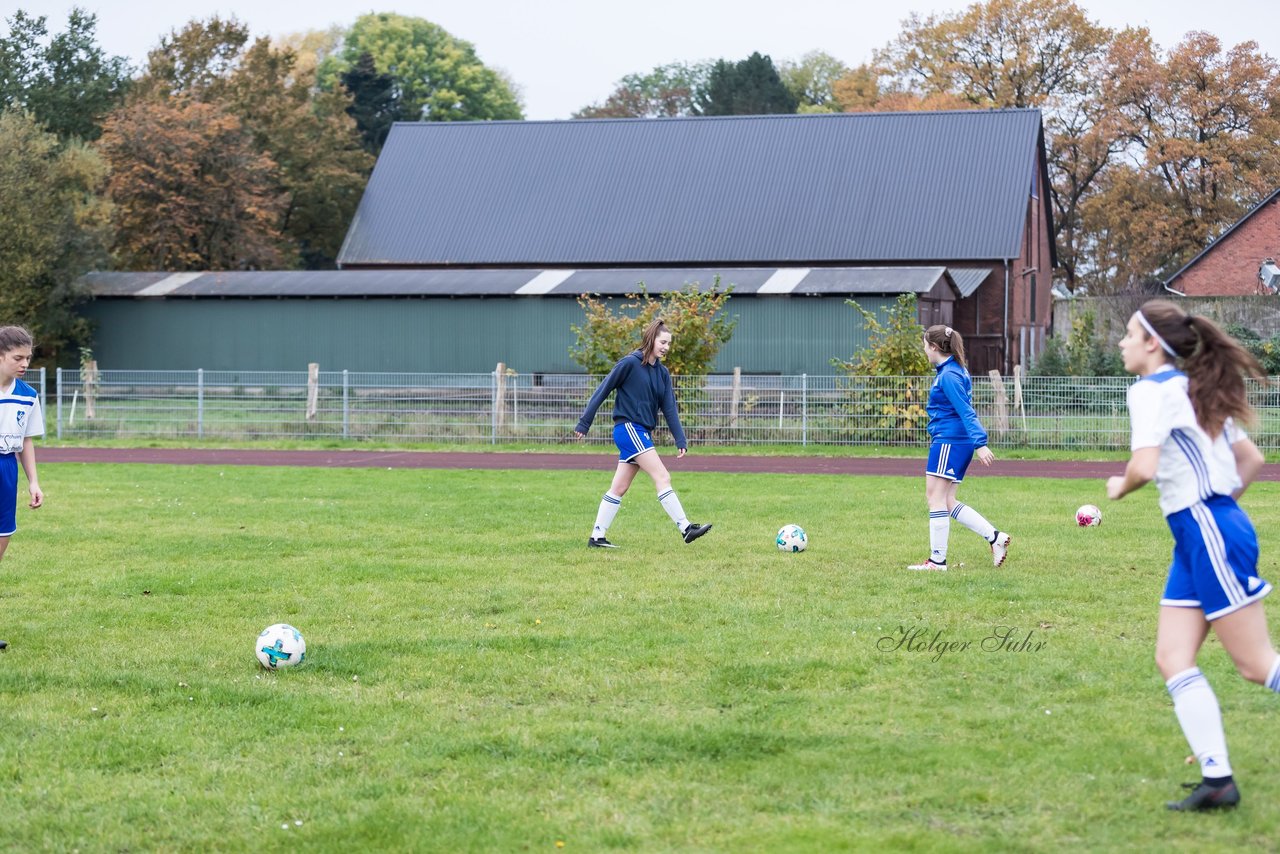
x,y
280,646
791,538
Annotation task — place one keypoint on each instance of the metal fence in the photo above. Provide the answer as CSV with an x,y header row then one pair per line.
x,y
1024,412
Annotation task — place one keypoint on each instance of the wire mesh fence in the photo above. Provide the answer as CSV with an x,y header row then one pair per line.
x,y
1067,413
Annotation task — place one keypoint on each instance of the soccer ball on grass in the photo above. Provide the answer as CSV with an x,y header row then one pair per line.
x,y
791,538
1088,516
280,646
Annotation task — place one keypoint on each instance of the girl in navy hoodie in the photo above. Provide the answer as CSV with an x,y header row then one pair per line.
x,y
955,438
644,386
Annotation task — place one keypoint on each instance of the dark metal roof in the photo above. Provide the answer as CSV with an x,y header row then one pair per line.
x,y
743,190
508,282
1213,243
968,278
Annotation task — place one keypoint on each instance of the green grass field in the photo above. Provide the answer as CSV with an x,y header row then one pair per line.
x,y
479,680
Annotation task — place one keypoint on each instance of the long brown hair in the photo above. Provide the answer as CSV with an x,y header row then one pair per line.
x,y
13,337
651,332
1214,362
948,341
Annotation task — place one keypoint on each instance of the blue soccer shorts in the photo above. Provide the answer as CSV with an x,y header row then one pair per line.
x,y
8,494
1215,559
950,459
632,440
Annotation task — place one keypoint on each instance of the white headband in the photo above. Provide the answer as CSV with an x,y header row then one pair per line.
x,y
1146,324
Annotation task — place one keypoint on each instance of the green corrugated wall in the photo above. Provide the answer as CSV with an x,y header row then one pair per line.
x,y
786,335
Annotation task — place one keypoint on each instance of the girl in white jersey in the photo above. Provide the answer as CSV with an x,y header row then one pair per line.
x,y
20,419
1186,438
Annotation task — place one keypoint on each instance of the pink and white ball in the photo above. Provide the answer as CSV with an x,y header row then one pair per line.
x,y
1088,516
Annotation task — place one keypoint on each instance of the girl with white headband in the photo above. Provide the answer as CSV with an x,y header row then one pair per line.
x,y
1185,436
955,438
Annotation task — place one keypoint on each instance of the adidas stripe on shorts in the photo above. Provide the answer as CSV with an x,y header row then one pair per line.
x,y
632,440
1215,559
950,459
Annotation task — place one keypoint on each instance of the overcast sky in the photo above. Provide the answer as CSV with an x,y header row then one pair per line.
x,y
566,54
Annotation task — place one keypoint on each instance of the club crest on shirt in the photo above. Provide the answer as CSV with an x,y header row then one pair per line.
x,y
20,415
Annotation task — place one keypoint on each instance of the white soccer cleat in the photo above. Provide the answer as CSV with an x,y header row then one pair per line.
x,y
928,566
1000,548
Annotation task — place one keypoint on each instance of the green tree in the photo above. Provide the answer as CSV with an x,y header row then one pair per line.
x,y
438,77
889,378
894,347
67,82
196,61
699,328
812,81
53,229
373,101
751,87
666,91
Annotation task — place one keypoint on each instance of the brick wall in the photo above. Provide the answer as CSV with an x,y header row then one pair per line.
x,y
1230,268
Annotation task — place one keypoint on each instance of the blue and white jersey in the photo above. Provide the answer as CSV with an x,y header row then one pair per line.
x,y
20,416
1192,467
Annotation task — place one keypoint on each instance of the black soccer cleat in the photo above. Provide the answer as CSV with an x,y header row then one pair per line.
x,y
695,530
600,543
1206,797
4,645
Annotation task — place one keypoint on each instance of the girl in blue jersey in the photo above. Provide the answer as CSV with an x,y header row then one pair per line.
x,y
20,420
1186,437
644,386
955,438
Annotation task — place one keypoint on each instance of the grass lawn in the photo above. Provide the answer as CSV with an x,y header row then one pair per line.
x,y
477,679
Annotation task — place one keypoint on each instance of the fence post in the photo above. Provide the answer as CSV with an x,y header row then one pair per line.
x,y
735,396
493,413
346,409
1002,403
199,403
500,397
58,381
313,389
804,409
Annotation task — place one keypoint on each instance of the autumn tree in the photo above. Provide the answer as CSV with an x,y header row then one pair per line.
x,y
750,87
307,132
319,167
438,77
1020,53
1201,134
190,191
67,82
666,91
53,229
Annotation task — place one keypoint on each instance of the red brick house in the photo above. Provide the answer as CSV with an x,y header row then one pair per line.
x,y
1229,265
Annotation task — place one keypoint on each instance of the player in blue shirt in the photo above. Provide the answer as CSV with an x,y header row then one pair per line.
x,y
644,386
1185,437
20,420
955,438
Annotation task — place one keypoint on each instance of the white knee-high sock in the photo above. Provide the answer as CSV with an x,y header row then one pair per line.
x,y
609,506
1273,678
1197,709
974,521
939,533
671,503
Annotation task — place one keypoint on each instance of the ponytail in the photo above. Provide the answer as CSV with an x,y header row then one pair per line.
x,y
1214,362
948,341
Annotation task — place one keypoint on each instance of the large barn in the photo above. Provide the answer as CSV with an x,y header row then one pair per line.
x,y
473,241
